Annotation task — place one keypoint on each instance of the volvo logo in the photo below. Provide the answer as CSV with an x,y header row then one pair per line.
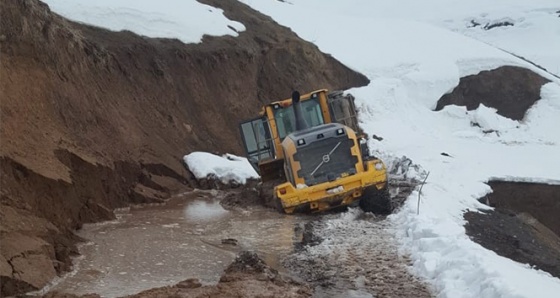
x,y
326,158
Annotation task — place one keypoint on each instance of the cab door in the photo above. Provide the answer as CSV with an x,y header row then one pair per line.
x,y
257,141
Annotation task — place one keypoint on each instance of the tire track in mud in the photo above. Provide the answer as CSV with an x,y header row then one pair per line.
x,y
357,257
354,254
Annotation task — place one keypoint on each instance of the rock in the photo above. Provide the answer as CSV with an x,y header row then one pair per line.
x,y
36,269
229,241
56,294
190,283
30,260
248,261
5,268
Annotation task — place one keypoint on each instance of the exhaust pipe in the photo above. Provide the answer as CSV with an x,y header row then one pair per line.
x,y
300,120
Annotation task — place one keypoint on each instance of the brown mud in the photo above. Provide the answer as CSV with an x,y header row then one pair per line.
x,y
523,226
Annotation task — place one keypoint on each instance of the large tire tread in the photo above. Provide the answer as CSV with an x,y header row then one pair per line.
x,y
376,201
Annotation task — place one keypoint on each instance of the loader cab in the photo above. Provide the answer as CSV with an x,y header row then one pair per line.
x,y
263,136
311,154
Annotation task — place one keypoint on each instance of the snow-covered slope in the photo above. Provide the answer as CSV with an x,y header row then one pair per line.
x,y
186,20
414,52
533,35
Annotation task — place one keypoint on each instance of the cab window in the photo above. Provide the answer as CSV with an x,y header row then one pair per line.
x,y
285,119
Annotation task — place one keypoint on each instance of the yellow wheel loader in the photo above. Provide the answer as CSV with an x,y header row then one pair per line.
x,y
311,156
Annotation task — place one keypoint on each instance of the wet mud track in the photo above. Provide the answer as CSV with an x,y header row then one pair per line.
x,y
190,236
346,253
353,254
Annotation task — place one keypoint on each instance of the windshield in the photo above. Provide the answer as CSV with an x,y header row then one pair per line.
x,y
285,119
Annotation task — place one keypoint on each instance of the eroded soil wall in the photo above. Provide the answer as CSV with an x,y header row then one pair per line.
x,y
542,201
93,119
523,226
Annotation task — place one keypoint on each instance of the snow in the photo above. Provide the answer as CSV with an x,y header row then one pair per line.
x,y
533,36
187,20
227,168
413,52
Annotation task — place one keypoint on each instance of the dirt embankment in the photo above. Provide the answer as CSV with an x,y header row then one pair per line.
x,y
509,89
93,119
523,227
542,201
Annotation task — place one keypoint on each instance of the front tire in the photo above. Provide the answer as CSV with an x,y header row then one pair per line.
x,y
278,206
376,201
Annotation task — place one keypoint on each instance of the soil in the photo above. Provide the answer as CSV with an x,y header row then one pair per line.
x,y
542,201
523,225
509,89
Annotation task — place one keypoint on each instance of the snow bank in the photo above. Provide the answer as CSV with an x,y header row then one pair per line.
x,y
226,168
186,20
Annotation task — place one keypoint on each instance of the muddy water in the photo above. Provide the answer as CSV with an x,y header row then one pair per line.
x,y
191,236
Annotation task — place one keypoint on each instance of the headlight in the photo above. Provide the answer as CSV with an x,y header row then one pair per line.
x,y
379,166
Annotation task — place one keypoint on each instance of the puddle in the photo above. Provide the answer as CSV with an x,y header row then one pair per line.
x,y
160,245
200,211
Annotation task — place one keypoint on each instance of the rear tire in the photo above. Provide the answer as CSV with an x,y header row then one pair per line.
x,y
376,201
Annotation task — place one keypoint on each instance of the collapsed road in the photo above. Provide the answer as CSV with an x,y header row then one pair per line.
x,y
194,237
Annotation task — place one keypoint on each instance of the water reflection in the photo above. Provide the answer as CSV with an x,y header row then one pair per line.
x,y
154,246
200,210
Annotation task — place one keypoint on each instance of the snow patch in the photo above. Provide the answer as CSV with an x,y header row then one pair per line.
x,y
488,120
187,20
227,168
